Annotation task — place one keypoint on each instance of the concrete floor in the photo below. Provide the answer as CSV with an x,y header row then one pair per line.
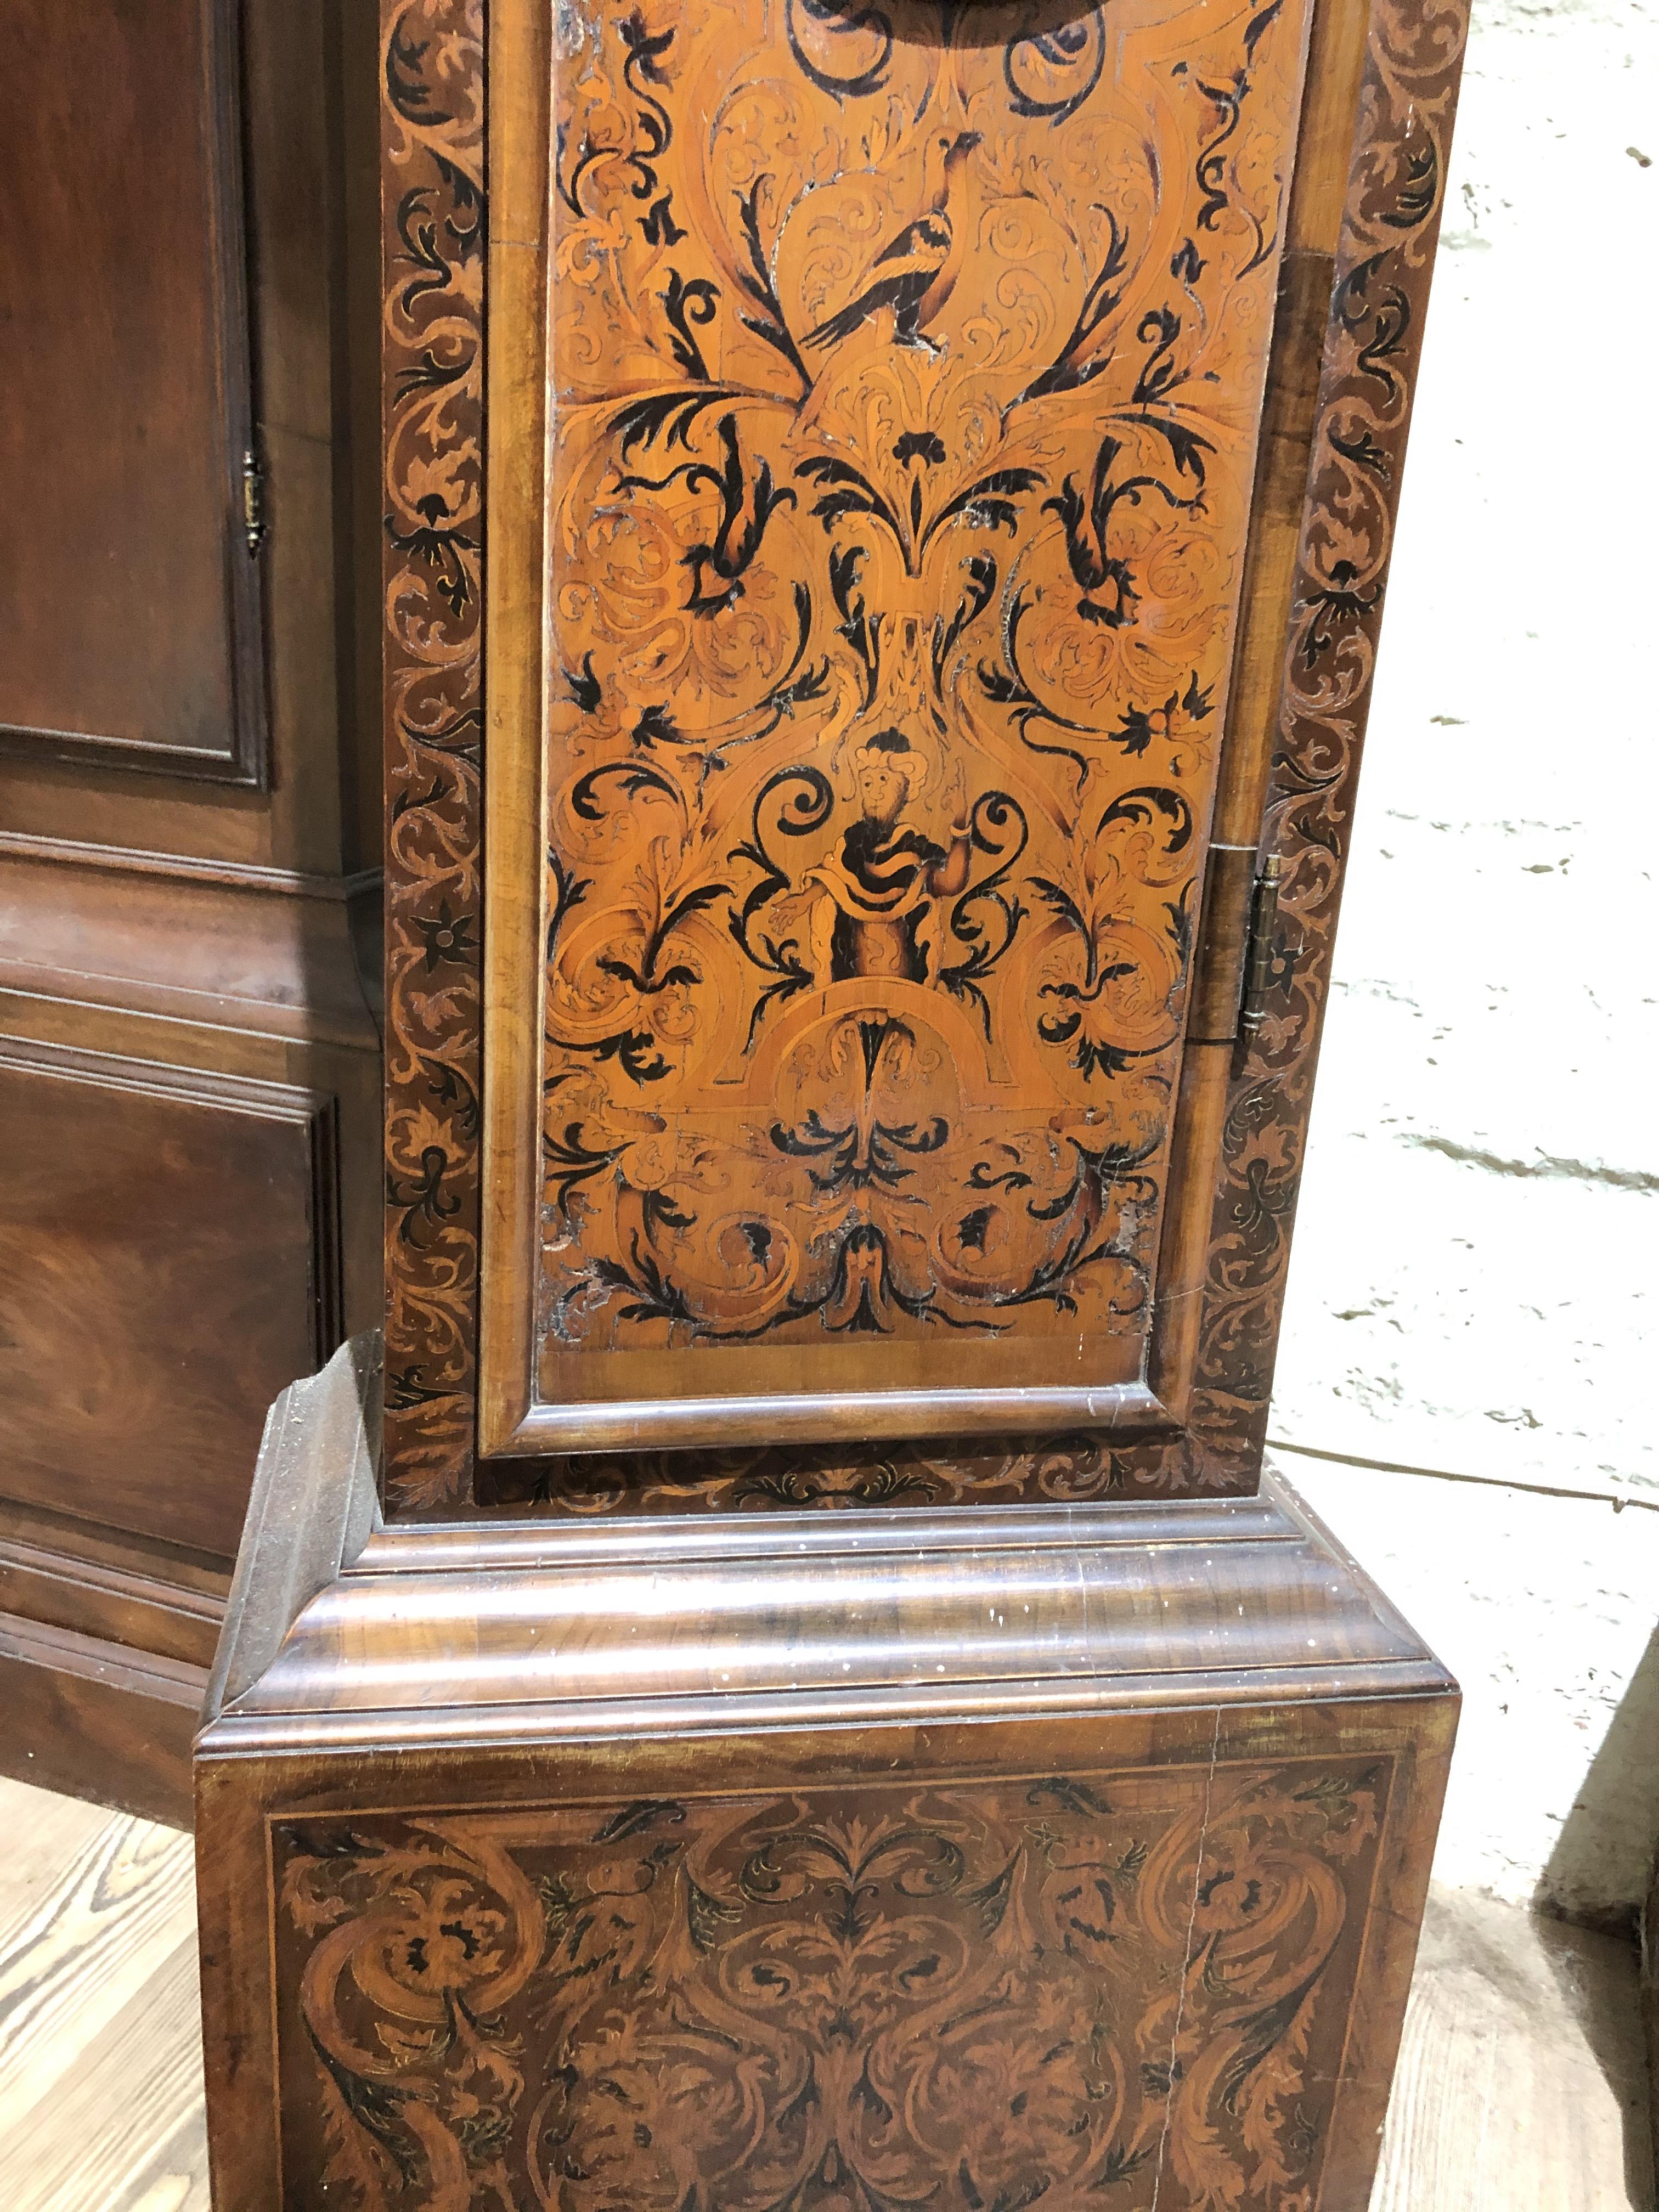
x,y
1523,2081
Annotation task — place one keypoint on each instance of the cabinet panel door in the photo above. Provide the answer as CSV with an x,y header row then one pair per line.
x,y
131,626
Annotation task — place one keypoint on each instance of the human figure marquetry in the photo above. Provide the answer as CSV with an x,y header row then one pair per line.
x,y
877,913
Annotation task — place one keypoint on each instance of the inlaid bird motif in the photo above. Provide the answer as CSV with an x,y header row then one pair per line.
x,y
915,273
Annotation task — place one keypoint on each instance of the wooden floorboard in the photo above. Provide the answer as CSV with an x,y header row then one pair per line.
x,y
47,1832
126,2133
101,2069
1521,2085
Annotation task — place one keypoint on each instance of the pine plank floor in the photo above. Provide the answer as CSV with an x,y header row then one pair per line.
x,y
1521,2085
100,2064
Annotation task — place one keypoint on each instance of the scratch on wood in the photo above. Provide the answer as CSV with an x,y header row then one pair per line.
x,y
1187,1958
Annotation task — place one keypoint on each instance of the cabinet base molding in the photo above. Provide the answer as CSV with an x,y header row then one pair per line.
x,y
843,1860
96,1719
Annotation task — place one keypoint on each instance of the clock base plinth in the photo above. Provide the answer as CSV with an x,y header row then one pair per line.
x,y
851,1859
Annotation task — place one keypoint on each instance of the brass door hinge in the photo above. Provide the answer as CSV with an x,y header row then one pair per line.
x,y
253,501
1266,963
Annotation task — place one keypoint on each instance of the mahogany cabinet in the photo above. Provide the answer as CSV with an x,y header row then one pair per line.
x,y
189,826
780,1678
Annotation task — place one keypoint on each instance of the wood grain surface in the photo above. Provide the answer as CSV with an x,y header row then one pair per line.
x,y
431,452
829,1961
127,2131
340,1636
1040,1986
194,1264
109,1720
188,1057
805,1858
654,801
100,2067
895,522
126,262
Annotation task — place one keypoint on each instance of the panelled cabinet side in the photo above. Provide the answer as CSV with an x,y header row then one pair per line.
x,y
190,1067
1357,245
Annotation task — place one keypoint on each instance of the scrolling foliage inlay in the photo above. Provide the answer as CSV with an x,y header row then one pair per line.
x,y
1391,218
907,376
432,362
1098,1992
432,169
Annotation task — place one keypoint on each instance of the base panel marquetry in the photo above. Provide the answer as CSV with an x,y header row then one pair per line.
x,y
810,1861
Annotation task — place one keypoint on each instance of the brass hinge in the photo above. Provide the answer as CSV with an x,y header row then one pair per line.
x,y
1266,963
253,501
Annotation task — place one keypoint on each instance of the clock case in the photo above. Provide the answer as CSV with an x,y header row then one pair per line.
x,y
610,1821
466,359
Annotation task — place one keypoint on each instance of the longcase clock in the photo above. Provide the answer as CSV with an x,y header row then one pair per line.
x,y
887,514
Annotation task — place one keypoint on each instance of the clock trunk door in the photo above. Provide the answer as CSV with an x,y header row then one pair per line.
x,y
874,425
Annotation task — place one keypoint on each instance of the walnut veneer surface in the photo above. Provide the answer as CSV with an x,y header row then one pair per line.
x,y
136,398
882,730
960,1857
952,559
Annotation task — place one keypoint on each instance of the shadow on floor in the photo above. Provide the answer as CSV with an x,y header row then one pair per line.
x,y
1588,1880
1521,2074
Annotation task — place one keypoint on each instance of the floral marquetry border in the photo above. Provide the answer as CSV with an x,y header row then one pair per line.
x,y
434,213
432,371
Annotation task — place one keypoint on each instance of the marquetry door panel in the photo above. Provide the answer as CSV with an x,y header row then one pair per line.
x,y
904,374
930,478
838,1996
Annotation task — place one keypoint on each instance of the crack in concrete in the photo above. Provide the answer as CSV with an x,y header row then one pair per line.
x,y
1546,1166
1620,1501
